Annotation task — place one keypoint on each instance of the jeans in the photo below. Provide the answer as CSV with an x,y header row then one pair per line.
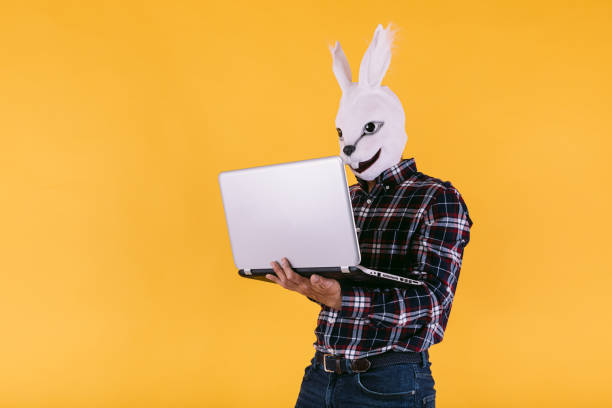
x,y
407,385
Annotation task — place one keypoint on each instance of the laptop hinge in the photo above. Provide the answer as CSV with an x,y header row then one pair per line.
x,y
344,269
247,271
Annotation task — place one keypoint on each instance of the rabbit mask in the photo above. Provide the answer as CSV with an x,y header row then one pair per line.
x,y
370,119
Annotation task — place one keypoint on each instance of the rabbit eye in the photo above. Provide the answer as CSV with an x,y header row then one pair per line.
x,y
372,127
339,132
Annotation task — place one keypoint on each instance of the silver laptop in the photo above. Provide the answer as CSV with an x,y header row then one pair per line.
x,y
299,210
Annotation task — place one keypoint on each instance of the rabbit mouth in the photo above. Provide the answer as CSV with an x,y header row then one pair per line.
x,y
364,165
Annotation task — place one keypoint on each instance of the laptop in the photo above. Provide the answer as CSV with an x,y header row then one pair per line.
x,y
300,210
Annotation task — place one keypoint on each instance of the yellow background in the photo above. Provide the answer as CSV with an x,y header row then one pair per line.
x,y
117,285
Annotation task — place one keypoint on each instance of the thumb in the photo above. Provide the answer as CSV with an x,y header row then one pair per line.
x,y
320,281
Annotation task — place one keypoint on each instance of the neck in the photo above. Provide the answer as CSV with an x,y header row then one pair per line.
x,y
371,184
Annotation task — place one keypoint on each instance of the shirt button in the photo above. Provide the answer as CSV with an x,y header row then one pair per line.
x,y
369,201
386,187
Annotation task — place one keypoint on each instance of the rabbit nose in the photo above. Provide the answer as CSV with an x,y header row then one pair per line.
x,y
348,150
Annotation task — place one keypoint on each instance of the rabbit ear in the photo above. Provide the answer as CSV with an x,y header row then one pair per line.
x,y
377,57
341,67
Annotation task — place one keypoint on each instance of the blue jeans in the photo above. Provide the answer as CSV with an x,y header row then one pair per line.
x,y
407,385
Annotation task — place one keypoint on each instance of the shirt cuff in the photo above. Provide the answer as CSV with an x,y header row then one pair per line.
x,y
356,302
317,302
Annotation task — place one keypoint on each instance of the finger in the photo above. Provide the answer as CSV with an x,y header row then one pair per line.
x,y
272,278
279,272
291,275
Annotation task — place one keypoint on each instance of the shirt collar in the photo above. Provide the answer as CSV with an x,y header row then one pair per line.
x,y
394,175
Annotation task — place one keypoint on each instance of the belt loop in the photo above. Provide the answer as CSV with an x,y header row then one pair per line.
x,y
347,364
424,358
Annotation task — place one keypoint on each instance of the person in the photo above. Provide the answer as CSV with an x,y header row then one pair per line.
x,y
371,347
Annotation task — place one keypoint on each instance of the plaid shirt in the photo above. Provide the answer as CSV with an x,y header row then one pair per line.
x,y
413,225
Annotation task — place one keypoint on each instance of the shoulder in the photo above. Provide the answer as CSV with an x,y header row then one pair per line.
x,y
432,186
446,201
439,195
425,186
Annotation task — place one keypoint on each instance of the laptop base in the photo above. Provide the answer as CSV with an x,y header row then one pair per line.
x,y
359,275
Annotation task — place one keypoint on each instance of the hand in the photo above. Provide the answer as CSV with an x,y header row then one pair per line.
x,y
326,291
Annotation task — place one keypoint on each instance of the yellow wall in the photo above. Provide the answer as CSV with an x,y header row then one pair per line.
x,y
117,285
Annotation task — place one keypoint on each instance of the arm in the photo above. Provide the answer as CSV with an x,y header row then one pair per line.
x,y
436,254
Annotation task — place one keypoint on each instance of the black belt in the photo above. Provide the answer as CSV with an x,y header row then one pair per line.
x,y
337,364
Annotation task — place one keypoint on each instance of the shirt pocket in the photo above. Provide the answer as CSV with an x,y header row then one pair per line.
x,y
385,249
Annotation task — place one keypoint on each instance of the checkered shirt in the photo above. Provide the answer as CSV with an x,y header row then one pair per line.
x,y
413,225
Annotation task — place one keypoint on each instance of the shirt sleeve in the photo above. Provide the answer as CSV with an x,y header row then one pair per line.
x,y
435,254
316,301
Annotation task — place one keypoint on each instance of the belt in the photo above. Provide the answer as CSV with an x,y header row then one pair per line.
x,y
336,364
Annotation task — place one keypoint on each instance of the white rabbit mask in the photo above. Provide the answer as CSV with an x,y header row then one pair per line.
x,y
370,119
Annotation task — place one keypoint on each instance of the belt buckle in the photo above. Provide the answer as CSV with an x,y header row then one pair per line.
x,y
325,363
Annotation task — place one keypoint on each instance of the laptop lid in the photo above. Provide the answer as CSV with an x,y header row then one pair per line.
x,y
300,210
